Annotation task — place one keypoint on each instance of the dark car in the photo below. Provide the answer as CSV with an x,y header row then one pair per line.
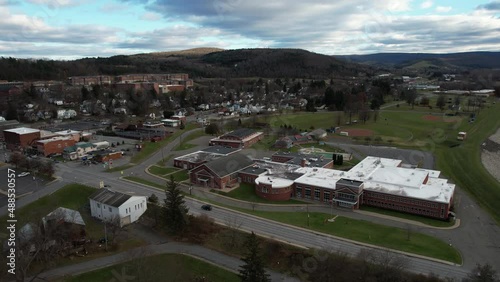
x,y
206,207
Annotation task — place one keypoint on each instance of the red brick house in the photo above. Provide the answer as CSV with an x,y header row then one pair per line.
x,y
22,137
239,138
220,173
54,145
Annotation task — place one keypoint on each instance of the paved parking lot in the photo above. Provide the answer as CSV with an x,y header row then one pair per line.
x,y
24,185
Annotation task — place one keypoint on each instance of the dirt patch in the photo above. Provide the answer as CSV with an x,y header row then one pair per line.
x,y
431,117
355,132
490,155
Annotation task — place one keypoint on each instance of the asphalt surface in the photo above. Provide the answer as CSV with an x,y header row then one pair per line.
x,y
476,238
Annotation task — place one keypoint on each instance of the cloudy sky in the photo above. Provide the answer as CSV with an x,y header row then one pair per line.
x,y
69,29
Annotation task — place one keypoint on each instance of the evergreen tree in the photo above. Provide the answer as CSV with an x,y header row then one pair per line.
x,y
441,102
175,208
253,269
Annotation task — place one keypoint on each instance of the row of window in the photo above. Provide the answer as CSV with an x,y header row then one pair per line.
x,y
401,200
265,189
408,209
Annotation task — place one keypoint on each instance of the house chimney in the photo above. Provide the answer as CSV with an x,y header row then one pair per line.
x,y
303,163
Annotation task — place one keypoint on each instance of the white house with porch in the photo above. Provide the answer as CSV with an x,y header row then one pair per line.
x,y
108,205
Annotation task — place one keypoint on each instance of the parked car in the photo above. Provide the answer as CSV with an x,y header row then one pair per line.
x,y
206,207
22,174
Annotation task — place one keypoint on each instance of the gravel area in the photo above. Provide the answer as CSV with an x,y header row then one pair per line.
x,y
490,155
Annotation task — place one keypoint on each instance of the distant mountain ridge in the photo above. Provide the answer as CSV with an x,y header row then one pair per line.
x,y
489,60
199,62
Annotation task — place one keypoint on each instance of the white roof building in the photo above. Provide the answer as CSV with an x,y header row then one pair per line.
x,y
22,130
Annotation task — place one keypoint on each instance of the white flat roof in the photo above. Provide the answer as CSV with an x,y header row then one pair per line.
x,y
384,176
318,176
67,132
58,138
22,130
170,120
275,182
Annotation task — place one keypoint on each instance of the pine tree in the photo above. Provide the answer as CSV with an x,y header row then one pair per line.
x,y
253,269
175,208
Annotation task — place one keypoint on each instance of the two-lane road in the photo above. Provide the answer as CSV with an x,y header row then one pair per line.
x,y
264,227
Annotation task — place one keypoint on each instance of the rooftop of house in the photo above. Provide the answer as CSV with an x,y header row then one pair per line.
x,y
220,150
109,197
67,215
53,139
230,164
239,133
22,130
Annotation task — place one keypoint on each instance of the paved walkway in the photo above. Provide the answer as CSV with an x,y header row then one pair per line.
x,y
156,247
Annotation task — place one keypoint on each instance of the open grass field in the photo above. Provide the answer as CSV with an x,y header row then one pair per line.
x,y
367,232
185,141
161,171
463,163
362,231
246,192
165,267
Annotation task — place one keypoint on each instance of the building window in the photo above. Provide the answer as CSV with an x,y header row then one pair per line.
x,y
298,193
98,205
317,192
109,209
307,193
326,196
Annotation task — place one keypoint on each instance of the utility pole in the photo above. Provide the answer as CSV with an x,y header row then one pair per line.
x,y
105,237
307,208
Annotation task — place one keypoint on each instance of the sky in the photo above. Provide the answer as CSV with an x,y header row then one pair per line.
x,y
71,29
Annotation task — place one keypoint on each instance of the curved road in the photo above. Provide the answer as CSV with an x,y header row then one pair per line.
x,y
477,237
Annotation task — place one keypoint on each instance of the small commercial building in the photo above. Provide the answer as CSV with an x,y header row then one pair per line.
x,y
198,158
220,173
239,138
54,145
106,155
171,122
78,151
21,138
115,207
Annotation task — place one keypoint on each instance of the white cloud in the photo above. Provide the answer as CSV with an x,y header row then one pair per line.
x,y
426,4
443,9
149,16
54,4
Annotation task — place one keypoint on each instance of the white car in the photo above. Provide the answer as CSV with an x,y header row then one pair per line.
x,y
22,174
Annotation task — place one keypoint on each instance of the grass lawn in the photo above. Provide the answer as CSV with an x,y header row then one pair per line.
x,y
71,196
463,163
246,192
367,232
152,147
145,182
266,143
179,176
161,171
185,141
425,220
165,267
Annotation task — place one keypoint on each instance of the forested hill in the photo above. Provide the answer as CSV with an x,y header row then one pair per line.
x,y
206,62
470,60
